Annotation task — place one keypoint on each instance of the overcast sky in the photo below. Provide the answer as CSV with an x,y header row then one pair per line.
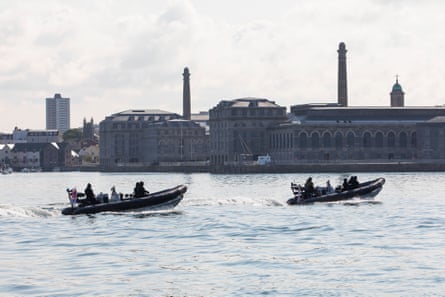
x,y
109,56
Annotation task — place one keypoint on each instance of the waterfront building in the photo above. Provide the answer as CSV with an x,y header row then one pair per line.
x,y
239,129
149,137
326,133
330,133
152,137
58,113
44,156
6,154
31,136
6,138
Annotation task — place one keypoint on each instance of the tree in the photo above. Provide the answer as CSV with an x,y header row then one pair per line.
x,y
72,135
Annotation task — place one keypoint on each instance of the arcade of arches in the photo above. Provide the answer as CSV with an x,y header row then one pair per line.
x,y
309,145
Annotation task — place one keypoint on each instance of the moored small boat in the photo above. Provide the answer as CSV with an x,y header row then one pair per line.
x,y
161,200
367,189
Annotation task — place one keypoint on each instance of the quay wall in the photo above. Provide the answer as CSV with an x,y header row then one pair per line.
x,y
300,168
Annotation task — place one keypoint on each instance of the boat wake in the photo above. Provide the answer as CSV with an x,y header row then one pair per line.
x,y
356,202
14,211
241,200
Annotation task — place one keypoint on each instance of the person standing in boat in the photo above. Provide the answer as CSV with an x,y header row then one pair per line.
x,y
114,195
329,188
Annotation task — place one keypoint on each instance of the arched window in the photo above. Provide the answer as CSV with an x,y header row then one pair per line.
x,y
326,140
350,139
403,139
338,141
391,139
315,140
303,140
379,139
413,139
367,140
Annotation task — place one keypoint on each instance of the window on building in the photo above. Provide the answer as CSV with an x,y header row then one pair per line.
x,y
303,140
403,139
379,139
315,140
327,140
350,139
391,139
367,140
338,140
414,139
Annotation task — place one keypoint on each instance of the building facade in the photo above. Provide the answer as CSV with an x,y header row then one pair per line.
x,y
336,134
239,129
31,136
58,113
149,137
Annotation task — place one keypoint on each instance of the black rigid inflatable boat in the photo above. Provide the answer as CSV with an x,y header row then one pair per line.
x,y
367,189
161,200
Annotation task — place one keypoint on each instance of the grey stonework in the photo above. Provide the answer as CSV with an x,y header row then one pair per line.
x,y
147,137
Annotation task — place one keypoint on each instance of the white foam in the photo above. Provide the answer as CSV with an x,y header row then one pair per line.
x,y
26,211
239,200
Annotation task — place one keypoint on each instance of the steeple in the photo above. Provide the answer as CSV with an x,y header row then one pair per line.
x,y
397,95
186,113
342,87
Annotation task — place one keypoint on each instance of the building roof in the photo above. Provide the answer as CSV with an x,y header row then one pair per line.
x,y
366,114
248,102
142,112
10,146
33,147
178,123
150,115
397,87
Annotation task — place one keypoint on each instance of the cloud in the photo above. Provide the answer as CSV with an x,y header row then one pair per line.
x,y
109,56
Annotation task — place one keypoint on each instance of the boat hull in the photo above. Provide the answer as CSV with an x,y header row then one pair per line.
x,y
161,200
364,190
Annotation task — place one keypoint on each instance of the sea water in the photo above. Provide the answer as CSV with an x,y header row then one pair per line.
x,y
232,235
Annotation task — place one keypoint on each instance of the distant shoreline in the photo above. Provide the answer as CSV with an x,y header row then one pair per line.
x,y
299,168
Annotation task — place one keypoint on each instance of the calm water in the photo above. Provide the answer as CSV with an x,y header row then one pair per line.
x,y
232,235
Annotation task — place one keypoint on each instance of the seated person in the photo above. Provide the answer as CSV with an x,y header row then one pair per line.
x,y
353,182
140,191
309,188
90,197
345,185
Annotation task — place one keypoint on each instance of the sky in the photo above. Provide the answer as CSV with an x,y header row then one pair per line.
x,y
108,56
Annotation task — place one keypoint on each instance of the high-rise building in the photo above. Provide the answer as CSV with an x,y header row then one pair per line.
x,y
58,113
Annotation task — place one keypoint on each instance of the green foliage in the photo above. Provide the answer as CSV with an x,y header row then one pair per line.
x,y
72,134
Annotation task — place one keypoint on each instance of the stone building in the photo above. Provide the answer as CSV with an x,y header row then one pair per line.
x,y
149,137
239,129
327,133
377,134
177,141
